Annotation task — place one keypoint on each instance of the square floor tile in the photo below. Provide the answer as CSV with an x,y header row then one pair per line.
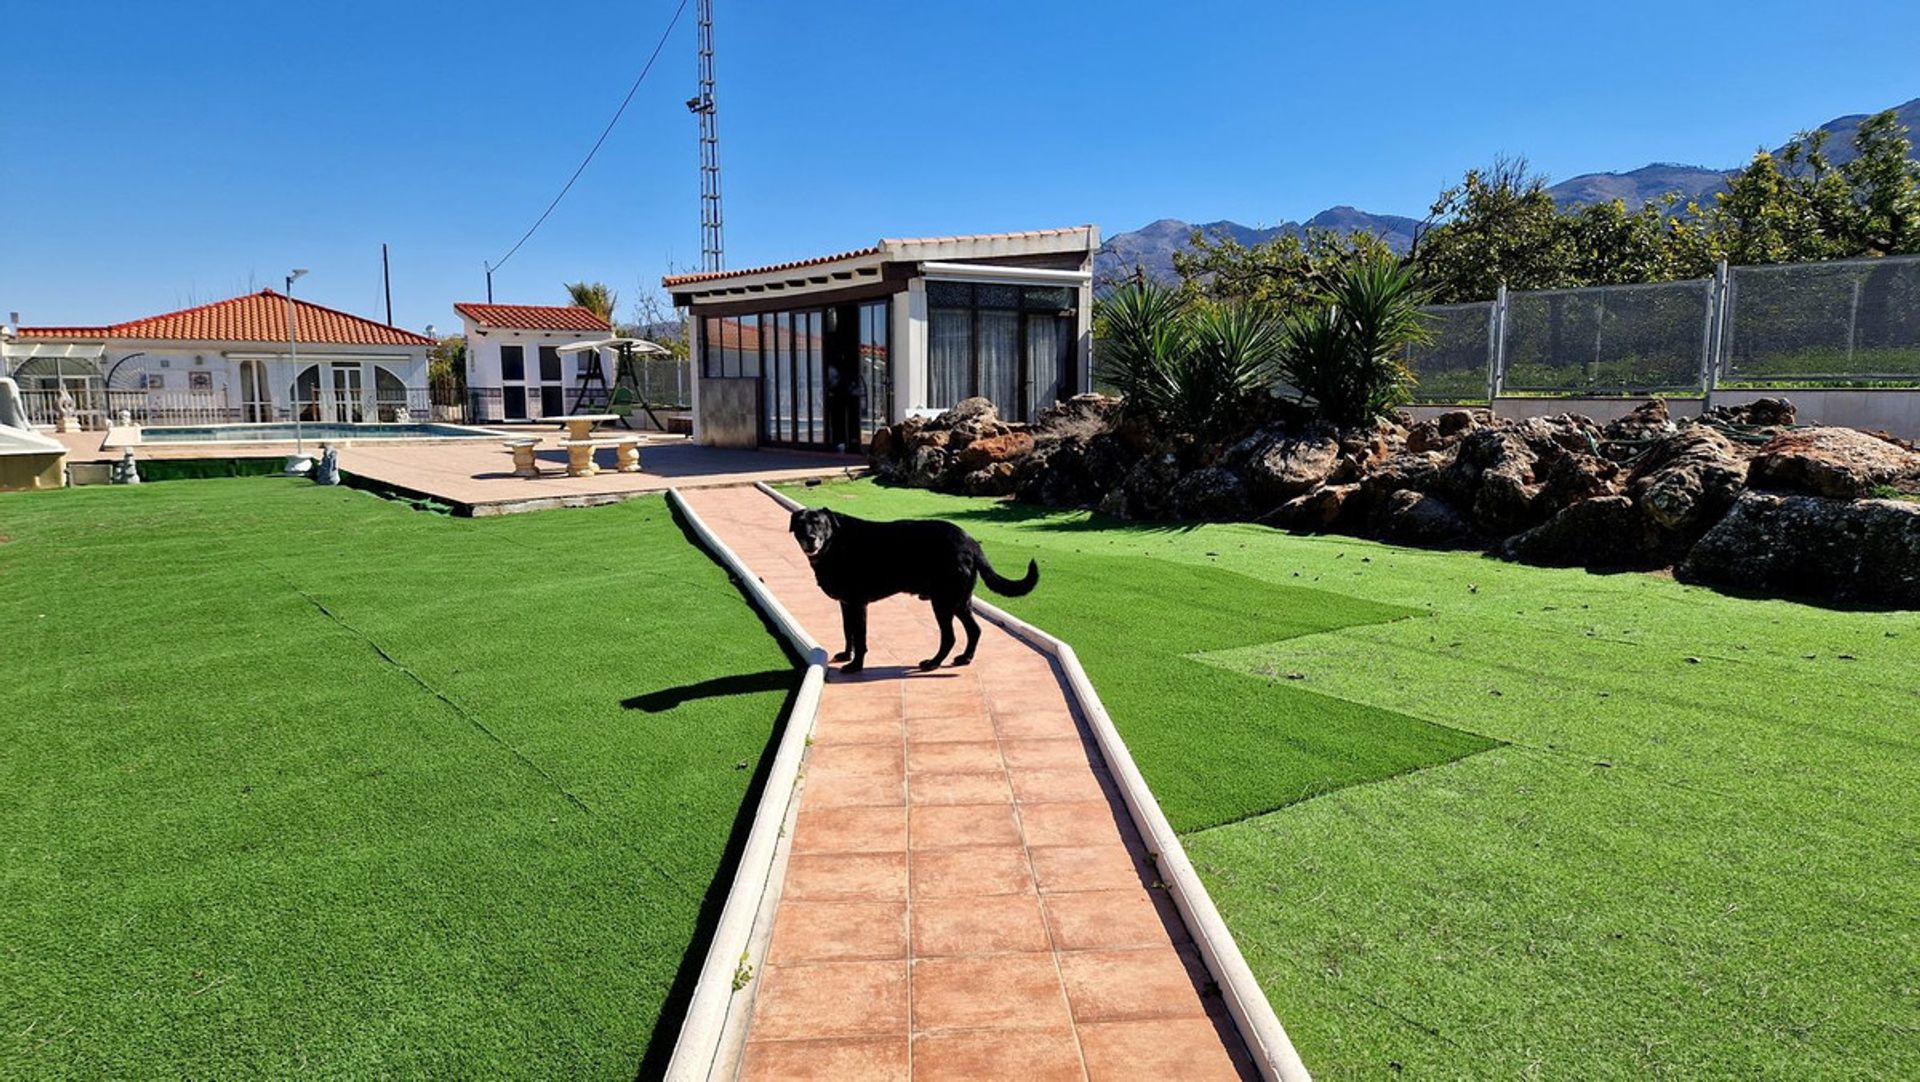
x,y
846,877
1046,753
1184,1048
971,871
999,991
837,932
1096,867
871,1059
1120,985
954,757
1095,919
985,788
970,1056
976,726
834,999
849,830
1078,823
1057,784
990,924
937,826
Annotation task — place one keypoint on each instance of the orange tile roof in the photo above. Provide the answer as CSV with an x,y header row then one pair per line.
x,y
885,243
537,317
256,317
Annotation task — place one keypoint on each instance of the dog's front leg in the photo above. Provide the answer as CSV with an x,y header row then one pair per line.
x,y
857,638
851,613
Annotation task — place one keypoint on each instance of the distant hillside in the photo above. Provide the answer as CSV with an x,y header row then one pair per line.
x,y
1152,246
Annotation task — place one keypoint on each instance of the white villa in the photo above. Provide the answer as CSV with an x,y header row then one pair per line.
x,y
238,360
515,368
820,352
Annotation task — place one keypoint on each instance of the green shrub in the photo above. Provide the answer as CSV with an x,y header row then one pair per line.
x,y
1344,352
1186,364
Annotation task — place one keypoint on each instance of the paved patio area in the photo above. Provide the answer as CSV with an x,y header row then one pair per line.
x,y
479,474
965,895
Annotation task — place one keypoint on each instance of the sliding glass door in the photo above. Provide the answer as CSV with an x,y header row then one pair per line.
x,y
1010,344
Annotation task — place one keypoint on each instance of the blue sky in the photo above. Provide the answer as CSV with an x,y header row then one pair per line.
x,y
156,155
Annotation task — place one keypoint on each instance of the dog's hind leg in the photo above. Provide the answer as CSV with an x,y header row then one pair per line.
x,y
973,631
942,615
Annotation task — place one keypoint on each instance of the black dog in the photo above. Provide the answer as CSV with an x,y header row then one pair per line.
x,y
857,562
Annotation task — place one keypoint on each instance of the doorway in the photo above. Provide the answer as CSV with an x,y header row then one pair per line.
x,y
348,406
256,404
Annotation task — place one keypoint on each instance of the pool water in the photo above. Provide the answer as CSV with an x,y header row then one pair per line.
x,y
312,432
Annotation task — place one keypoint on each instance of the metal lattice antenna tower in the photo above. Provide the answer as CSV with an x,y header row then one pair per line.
x,y
711,258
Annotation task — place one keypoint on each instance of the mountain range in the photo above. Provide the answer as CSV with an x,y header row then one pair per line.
x,y
1152,246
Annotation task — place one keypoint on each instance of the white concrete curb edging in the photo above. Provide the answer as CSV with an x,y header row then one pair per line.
x,y
1259,1026
714,1028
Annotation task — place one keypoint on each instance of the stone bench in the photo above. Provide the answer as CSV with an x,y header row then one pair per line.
x,y
522,451
626,454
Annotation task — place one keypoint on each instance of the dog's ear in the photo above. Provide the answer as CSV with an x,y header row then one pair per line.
x,y
793,521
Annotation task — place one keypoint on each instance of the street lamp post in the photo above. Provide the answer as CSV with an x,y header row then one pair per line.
x,y
297,464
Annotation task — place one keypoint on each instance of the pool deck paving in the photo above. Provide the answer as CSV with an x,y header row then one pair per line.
x,y
965,896
477,476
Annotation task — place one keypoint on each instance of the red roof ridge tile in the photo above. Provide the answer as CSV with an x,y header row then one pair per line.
x,y
885,242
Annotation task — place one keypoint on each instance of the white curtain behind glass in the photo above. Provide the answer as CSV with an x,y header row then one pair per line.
x,y
1000,358
949,350
1043,363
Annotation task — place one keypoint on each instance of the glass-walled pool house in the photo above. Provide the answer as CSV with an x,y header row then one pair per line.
x,y
819,353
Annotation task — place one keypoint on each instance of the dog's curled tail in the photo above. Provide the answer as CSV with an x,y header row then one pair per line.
x,y
1000,584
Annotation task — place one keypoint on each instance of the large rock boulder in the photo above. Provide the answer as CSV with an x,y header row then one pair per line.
x,y
1841,463
1863,552
1759,413
1055,474
1149,486
981,453
993,479
967,409
1648,421
1212,493
1687,481
1277,466
1083,414
1493,475
1577,476
1416,518
1329,508
928,467
1603,533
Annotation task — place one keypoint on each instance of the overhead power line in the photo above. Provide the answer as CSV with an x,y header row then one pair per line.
x,y
608,130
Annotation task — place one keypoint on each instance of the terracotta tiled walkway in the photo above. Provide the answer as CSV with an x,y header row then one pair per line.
x,y
965,897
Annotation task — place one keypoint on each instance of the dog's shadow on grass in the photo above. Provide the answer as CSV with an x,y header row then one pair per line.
x,y
659,702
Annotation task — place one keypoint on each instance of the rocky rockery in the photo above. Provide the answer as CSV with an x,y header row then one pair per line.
x,y
1740,498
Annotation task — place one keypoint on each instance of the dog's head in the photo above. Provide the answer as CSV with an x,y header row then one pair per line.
x,y
813,528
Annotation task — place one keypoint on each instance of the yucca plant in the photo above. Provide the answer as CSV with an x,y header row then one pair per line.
x,y
1188,365
1343,351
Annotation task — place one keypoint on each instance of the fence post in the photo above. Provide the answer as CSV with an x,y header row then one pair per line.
x,y
1497,345
1721,313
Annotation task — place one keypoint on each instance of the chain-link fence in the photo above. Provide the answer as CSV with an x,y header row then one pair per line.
x,y
1850,323
1453,367
1610,340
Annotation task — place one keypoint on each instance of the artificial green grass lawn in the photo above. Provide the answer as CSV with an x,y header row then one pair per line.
x,y
1659,831
295,778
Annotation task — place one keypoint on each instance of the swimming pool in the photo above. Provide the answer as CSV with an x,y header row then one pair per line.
x,y
312,433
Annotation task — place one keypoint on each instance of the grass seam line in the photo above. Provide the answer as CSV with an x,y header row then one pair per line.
x,y
459,711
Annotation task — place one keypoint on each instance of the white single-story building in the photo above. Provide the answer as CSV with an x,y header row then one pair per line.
x,y
515,368
820,352
243,360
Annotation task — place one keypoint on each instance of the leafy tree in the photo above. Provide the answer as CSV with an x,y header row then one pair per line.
x,y
1344,351
1498,226
1283,272
595,297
